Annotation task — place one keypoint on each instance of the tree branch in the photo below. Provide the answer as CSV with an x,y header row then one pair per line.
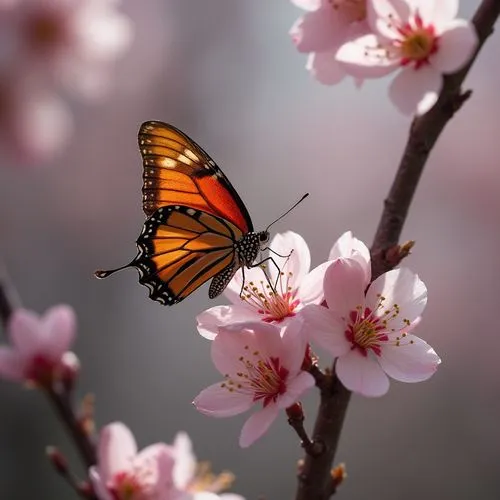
x,y
314,479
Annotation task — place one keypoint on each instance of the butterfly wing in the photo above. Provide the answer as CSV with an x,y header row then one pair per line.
x,y
179,172
180,248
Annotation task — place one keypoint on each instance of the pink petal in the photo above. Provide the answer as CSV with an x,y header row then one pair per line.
x,y
456,46
11,364
437,12
157,460
311,287
59,330
210,320
325,328
362,374
116,450
235,341
384,15
295,388
409,362
25,333
345,284
416,91
349,247
324,67
299,262
217,401
99,484
233,290
257,425
401,287
185,461
317,31
309,5
364,58
294,344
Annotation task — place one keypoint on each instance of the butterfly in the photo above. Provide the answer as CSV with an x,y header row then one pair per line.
x,y
198,228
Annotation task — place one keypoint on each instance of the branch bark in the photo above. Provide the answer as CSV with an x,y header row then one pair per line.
x,y
315,479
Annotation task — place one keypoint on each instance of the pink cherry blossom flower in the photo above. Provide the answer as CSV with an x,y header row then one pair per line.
x,y
323,29
368,333
420,37
295,287
261,365
39,345
191,476
123,473
349,247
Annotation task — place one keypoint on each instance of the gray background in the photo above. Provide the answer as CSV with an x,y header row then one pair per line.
x,y
226,72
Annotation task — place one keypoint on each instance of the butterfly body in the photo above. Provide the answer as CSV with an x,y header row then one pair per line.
x,y
197,228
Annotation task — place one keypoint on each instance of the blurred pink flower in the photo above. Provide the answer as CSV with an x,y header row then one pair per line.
x,y
368,333
296,286
38,345
123,473
260,364
196,478
421,37
323,29
49,47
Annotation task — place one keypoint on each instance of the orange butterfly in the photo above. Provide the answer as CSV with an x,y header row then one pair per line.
x,y
198,227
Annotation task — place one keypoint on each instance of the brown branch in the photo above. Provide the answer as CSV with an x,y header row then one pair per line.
x,y
314,479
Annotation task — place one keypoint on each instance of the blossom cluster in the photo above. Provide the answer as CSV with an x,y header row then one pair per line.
x,y
51,49
262,342
420,39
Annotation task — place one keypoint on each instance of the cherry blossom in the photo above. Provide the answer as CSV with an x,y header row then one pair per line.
x,y
261,365
38,354
323,29
369,333
421,38
276,300
123,473
191,476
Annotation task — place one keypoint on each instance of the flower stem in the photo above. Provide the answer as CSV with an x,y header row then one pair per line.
x,y
315,476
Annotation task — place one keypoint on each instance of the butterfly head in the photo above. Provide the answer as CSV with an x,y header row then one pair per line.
x,y
263,239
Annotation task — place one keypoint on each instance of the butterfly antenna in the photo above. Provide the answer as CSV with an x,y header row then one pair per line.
x,y
101,274
288,211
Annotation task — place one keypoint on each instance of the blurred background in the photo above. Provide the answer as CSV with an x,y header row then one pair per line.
x,y
227,73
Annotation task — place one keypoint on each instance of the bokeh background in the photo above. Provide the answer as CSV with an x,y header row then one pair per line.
x,y
227,73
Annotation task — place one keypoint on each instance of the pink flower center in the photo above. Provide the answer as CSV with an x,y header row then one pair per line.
x,y
131,485
275,303
415,42
352,10
40,370
46,30
367,331
264,379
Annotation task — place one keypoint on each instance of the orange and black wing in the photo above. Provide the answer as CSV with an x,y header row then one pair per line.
x,y
179,172
180,248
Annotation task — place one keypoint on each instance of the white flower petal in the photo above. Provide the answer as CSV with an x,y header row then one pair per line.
x,y
210,320
299,262
325,68
400,287
257,425
362,374
345,284
317,31
311,287
309,5
364,58
325,328
385,15
295,388
436,12
185,460
455,46
116,450
416,91
233,290
412,361
217,401
294,342
349,247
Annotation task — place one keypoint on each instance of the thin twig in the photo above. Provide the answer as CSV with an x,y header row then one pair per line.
x,y
315,473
